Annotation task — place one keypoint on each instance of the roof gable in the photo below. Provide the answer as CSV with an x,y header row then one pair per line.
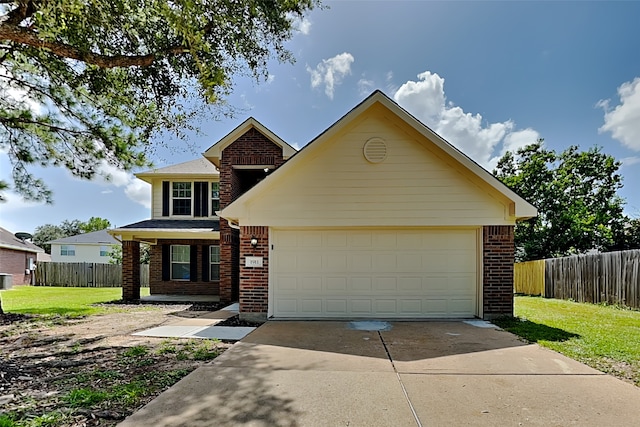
x,y
93,238
384,109
214,153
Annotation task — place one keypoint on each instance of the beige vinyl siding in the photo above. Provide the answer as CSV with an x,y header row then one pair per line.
x,y
156,199
415,186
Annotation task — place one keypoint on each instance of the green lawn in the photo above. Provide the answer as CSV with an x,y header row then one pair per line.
x,y
604,337
70,302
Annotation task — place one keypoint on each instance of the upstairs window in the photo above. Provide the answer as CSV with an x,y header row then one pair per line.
x,y
181,198
68,250
215,198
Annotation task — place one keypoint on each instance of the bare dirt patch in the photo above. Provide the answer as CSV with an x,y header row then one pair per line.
x,y
56,371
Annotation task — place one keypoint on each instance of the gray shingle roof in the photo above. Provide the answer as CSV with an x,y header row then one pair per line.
x,y
8,240
192,167
175,224
95,237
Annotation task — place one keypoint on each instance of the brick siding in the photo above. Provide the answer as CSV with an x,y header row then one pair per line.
x,y
157,286
130,270
15,263
254,292
498,258
252,148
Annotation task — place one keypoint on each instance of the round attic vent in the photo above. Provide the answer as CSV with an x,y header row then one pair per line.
x,y
375,150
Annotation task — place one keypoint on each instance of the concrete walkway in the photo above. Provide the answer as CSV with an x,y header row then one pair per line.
x,y
398,374
203,326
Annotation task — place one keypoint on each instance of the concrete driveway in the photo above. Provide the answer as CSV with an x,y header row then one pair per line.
x,y
414,373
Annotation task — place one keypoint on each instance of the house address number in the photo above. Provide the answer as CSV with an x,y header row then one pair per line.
x,y
253,261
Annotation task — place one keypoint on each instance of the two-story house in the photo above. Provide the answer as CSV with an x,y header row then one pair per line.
x,y
377,217
94,247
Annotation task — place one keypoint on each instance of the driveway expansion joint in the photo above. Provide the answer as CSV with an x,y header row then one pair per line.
x,y
404,390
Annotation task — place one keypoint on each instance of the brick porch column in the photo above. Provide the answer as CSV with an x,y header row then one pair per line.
x,y
130,270
498,257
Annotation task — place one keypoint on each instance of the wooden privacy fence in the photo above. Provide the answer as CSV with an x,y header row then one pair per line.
x,y
528,277
612,278
84,275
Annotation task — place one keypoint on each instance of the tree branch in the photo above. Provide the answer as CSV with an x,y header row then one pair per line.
x,y
25,37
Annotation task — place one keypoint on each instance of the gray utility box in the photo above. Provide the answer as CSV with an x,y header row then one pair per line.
x,y
6,281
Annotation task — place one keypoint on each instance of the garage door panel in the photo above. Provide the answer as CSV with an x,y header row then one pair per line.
x,y
336,307
374,273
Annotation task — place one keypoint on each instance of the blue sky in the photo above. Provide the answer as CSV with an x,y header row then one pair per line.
x,y
487,76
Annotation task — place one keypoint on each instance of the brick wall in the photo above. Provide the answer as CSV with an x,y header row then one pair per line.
x,y
498,258
157,286
130,270
15,263
252,148
254,292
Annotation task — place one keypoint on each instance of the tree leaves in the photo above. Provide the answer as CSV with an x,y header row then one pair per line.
x,y
576,196
84,83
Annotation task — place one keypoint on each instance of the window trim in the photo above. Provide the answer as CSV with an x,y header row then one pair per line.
x,y
106,251
190,198
172,262
210,199
67,250
213,252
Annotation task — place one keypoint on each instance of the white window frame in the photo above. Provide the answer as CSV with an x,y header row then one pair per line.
x,y
214,259
104,250
212,198
67,250
172,262
190,198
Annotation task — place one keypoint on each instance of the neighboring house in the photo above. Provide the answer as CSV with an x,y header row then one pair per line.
x,y
18,257
93,247
377,217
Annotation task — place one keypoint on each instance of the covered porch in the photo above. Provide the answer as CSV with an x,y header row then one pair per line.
x,y
184,259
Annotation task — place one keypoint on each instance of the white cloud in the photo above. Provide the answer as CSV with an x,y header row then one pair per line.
x,y
330,72
134,188
304,26
140,192
623,121
9,90
628,161
483,142
365,86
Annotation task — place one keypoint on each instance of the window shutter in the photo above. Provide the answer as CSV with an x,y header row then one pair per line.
x,y
165,198
193,252
201,199
205,263
166,262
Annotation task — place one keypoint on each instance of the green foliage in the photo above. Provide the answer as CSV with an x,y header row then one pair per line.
x,y
575,193
84,397
95,224
7,421
88,84
136,351
116,254
604,337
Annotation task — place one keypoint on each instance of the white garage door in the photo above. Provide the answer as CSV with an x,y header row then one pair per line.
x,y
374,274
